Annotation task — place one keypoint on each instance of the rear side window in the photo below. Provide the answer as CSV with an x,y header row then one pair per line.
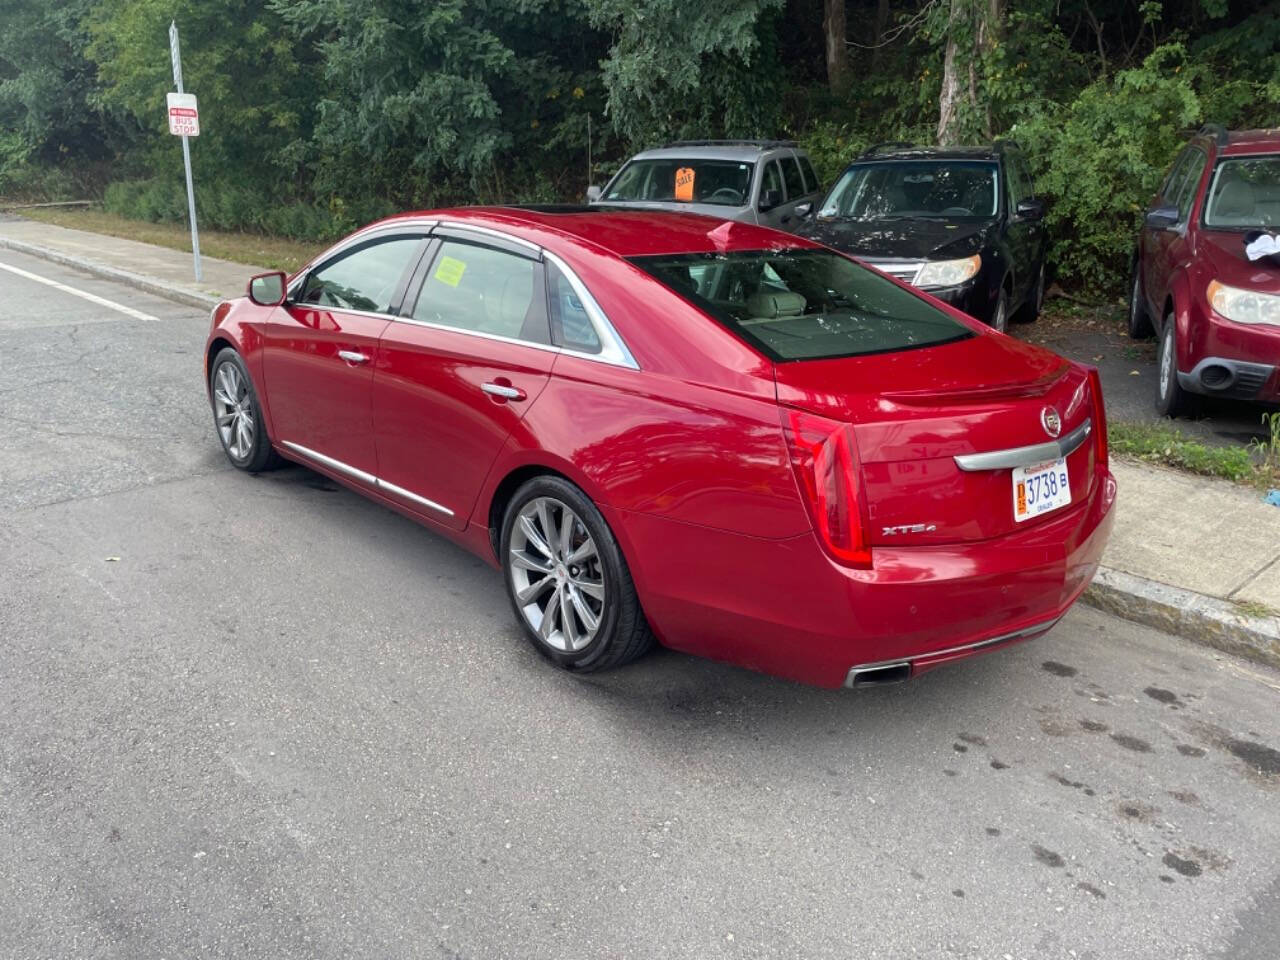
x,y
483,290
365,279
571,326
791,173
810,178
804,304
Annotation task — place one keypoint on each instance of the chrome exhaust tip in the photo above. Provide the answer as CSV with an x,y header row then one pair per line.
x,y
878,674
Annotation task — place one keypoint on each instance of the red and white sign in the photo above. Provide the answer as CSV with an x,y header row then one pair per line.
x,y
184,116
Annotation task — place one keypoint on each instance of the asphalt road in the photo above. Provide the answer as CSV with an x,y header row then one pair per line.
x,y
263,717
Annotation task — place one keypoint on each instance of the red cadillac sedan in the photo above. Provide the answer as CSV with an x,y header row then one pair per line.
x,y
668,428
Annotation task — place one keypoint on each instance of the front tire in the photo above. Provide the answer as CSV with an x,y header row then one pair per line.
x,y
237,414
1171,399
1000,315
567,579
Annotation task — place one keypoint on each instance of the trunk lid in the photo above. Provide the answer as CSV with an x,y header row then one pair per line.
x,y
914,411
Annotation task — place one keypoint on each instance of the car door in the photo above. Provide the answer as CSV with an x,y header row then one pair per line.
x,y
319,349
1172,246
1155,240
456,373
1024,234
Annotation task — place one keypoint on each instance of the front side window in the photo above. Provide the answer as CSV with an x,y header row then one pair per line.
x,y
772,180
1244,193
483,290
724,183
804,304
365,279
915,189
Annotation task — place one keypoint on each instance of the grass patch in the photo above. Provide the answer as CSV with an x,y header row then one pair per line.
x,y
252,249
1162,443
1253,608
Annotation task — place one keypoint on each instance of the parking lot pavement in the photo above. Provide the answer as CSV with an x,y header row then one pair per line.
x,y
1129,374
264,717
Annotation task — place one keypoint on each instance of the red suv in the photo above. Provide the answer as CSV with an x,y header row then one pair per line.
x,y
1216,311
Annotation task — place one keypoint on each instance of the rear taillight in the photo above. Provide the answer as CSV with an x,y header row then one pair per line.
x,y
825,458
1099,417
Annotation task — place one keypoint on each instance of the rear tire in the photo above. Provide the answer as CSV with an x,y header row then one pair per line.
x,y
567,580
1171,399
237,414
1139,319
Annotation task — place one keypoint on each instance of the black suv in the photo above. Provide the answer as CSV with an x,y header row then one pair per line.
x,y
962,223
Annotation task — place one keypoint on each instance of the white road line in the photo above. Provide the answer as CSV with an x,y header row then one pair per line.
x,y
92,298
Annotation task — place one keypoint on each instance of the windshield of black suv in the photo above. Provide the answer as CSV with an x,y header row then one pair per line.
x,y
1245,193
925,189
802,304
725,183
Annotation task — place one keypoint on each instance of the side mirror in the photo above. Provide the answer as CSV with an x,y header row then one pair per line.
x,y
804,209
1031,209
267,289
1162,218
594,193
770,199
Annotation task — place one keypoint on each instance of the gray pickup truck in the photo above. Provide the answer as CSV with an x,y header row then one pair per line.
x,y
770,182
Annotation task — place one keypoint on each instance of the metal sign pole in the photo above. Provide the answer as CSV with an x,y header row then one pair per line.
x,y
186,152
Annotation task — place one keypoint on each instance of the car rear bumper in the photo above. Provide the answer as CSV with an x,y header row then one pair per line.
x,y
783,607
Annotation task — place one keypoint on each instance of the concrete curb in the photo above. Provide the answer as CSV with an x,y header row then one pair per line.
x,y
1193,616
191,298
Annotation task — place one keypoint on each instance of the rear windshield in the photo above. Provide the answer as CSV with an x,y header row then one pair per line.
x,y
1245,193
803,304
915,189
725,183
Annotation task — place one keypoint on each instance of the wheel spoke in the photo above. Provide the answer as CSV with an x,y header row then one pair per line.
x,y
547,627
242,436
521,559
548,531
566,531
224,398
534,590
535,538
224,419
585,614
567,625
586,551
590,588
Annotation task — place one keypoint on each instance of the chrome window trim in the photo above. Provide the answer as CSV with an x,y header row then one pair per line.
x,y
409,224
488,232
368,478
613,350
549,347
1022,456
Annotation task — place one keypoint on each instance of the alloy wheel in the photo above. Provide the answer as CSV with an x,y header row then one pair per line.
x,y
1001,319
1167,361
233,411
556,574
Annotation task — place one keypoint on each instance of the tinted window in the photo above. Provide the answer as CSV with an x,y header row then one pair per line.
x,y
1022,188
482,290
798,304
791,173
810,178
920,189
1245,193
1175,172
570,325
365,279
722,182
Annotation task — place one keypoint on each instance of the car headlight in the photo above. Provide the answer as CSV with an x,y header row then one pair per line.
x,y
948,273
1244,306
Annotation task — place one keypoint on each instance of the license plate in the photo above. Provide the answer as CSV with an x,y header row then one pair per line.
x,y
1040,488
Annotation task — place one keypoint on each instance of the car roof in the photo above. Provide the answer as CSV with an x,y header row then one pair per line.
x,y
716,149
621,232
1253,141
908,152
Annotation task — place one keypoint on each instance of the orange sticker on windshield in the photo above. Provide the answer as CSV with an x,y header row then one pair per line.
x,y
684,184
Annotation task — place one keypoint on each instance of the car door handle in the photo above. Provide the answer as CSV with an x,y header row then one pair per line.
x,y
353,356
503,390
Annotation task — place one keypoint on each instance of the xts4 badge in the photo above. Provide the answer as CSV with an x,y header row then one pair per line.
x,y
908,528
